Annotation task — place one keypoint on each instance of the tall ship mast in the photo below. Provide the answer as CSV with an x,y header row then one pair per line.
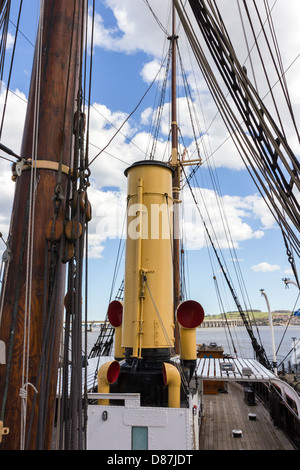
x,y
175,163
33,302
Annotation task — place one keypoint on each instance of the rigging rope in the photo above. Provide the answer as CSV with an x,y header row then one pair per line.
x,y
167,339
224,314
10,70
281,196
156,17
159,109
129,116
73,408
31,223
259,350
4,19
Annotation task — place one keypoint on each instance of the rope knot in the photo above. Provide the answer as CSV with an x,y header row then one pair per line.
x,y
23,390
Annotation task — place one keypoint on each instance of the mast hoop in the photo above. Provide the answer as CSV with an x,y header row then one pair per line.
x,y
41,165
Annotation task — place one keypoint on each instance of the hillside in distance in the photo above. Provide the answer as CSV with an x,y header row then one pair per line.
x,y
279,317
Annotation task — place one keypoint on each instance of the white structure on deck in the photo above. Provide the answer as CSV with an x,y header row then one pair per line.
x,y
132,427
244,370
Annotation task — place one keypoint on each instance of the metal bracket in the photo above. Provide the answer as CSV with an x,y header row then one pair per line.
x,y
3,431
2,352
7,255
19,167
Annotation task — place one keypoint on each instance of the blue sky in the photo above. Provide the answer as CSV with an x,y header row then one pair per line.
x,y
129,45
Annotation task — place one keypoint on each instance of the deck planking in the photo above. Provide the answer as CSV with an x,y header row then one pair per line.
x,y
224,412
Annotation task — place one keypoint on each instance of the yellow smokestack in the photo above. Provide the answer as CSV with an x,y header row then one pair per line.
x,y
148,322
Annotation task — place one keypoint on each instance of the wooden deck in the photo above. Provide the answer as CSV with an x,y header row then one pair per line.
x,y
227,411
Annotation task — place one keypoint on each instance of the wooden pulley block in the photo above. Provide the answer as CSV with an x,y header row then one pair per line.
x,y
69,301
88,212
54,230
72,229
84,204
82,200
68,252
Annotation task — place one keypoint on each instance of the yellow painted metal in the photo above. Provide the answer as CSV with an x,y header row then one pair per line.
x,y
173,381
148,320
188,350
190,315
115,317
119,350
107,374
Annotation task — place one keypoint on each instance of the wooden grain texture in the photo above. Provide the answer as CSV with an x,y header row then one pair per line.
x,y
55,125
225,412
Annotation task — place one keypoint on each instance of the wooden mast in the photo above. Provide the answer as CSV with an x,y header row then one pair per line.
x,y
49,129
175,162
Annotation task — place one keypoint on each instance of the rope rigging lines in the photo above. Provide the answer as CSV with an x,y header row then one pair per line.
x,y
2,52
190,104
267,156
259,350
129,115
263,147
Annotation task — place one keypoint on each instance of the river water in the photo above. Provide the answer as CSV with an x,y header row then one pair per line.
x,y
239,337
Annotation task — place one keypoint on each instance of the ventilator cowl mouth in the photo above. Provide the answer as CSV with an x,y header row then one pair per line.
x,y
190,314
113,372
115,313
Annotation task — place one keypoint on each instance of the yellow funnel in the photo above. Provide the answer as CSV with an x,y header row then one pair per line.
x,y
148,322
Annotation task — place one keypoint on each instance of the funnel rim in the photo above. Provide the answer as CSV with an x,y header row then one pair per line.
x,y
148,163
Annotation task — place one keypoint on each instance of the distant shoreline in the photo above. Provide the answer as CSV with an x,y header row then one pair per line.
x,y
259,318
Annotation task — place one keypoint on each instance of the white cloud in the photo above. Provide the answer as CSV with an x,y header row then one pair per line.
x,y
109,204
14,118
10,40
109,211
146,116
132,30
11,138
289,271
265,267
236,213
134,25
150,71
261,210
